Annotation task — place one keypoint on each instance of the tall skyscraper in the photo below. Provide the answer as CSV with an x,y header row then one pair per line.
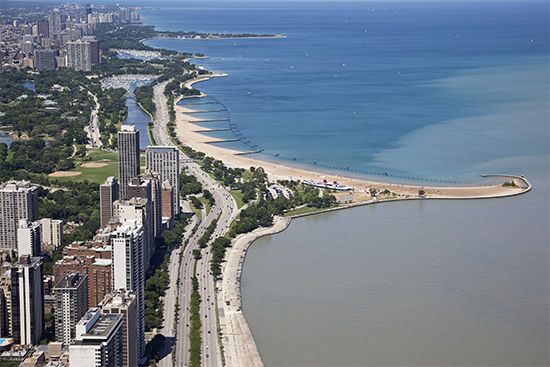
x,y
165,161
98,340
137,210
128,157
125,304
27,300
55,23
148,187
128,271
18,200
52,232
94,48
43,29
79,55
71,303
44,59
28,238
108,194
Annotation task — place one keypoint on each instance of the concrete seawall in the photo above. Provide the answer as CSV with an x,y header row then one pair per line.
x,y
238,342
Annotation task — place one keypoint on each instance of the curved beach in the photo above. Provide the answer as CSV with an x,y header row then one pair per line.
x,y
190,132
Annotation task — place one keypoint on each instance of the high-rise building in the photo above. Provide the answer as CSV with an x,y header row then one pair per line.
x,y
28,238
94,48
108,194
55,21
27,47
128,270
5,300
44,59
128,157
71,303
98,270
98,340
137,210
148,187
125,15
43,28
125,304
18,200
27,300
165,161
52,232
79,56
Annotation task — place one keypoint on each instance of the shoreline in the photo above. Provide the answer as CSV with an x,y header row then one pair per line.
x,y
237,338
239,345
274,36
189,132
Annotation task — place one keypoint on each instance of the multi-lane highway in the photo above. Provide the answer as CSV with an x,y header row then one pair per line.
x,y
225,210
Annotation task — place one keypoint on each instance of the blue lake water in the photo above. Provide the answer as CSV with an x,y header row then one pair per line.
x,y
5,138
136,116
432,90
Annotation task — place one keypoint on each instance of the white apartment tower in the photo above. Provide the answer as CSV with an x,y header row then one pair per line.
x,y
165,161
18,200
52,232
98,340
128,154
127,243
137,211
28,238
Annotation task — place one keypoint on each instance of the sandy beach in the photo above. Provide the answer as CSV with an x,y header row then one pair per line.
x,y
190,132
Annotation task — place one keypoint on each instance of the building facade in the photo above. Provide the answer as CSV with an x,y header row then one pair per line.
x,y
79,55
18,200
94,49
98,271
128,270
28,238
98,340
27,300
52,232
44,59
71,303
165,161
125,304
108,194
128,154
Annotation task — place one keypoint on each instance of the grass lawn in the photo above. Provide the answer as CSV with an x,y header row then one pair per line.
x,y
96,174
238,196
205,203
304,210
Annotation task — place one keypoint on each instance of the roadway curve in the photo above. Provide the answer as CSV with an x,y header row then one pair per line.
x,y
225,209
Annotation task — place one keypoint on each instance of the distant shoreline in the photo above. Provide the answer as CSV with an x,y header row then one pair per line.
x,y
216,38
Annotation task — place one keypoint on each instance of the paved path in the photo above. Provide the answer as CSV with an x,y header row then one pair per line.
x,y
240,348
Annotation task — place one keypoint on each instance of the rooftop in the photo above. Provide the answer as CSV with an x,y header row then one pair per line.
x,y
104,325
70,281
